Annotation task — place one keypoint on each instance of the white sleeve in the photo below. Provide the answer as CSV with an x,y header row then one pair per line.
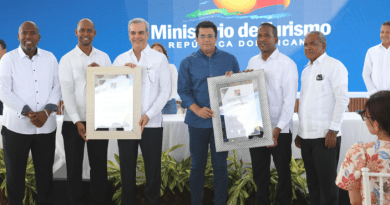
x,y
367,71
339,80
165,89
174,81
55,94
6,95
289,92
67,88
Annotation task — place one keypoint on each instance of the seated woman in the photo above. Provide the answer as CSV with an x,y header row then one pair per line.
x,y
170,107
373,155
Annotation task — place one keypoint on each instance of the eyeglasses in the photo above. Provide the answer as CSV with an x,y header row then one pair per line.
x,y
362,114
208,36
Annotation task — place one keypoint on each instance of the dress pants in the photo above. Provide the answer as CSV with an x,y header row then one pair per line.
x,y
74,153
261,162
151,146
16,150
200,138
321,169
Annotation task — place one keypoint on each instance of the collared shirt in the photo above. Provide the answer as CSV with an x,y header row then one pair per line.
x,y
281,77
174,81
192,83
32,82
73,79
156,81
376,70
324,97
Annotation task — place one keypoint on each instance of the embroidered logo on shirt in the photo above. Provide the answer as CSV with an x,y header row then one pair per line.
x,y
319,77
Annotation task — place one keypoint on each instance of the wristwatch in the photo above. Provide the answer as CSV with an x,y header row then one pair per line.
x,y
334,131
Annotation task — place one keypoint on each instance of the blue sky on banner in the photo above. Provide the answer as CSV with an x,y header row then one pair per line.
x,y
343,22
351,26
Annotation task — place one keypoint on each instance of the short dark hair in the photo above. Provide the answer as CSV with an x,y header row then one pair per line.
x,y
378,105
2,44
159,44
206,24
90,21
274,29
34,24
386,23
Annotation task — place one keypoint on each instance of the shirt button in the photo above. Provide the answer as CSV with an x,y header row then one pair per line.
x,y
35,80
38,103
211,75
37,91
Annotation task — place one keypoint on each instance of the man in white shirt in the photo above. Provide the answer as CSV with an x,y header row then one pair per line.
x,y
72,70
376,70
156,89
3,50
30,91
322,103
282,85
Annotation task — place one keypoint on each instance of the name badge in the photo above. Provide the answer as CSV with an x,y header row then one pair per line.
x,y
319,77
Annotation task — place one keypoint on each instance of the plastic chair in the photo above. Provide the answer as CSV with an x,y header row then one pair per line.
x,y
366,185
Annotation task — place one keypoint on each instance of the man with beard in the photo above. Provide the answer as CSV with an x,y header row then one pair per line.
x,y
156,89
324,97
376,72
72,72
30,91
282,85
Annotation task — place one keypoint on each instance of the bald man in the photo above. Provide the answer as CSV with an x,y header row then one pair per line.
x,y
73,72
30,91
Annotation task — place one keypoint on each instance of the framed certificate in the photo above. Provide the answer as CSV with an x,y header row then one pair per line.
x,y
241,111
113,103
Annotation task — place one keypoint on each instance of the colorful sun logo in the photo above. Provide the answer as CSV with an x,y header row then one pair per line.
x,y
247,6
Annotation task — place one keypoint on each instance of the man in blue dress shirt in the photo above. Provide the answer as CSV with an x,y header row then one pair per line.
x,y
208,61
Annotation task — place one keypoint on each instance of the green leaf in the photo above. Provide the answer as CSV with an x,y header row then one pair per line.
x,y
117,159
112,164
173,148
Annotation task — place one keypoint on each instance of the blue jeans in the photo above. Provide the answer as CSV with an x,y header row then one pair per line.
x,y
200,138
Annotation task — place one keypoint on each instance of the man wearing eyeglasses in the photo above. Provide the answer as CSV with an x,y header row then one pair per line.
x,y
156,90
208,61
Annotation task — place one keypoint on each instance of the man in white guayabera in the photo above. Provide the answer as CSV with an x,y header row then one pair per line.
x,y
73,72
156,89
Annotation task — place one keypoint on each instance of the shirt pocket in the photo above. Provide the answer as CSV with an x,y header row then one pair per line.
x,y
304,83
153,76
320,86
276,82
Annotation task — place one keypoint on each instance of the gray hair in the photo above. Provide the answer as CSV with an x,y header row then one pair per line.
x,y
386,23
139,20
321,36
93,25
35,26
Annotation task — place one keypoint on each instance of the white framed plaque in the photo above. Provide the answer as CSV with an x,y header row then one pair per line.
x,y
241,111
113,102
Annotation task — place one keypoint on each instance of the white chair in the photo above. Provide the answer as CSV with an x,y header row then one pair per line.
x,y
366,185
